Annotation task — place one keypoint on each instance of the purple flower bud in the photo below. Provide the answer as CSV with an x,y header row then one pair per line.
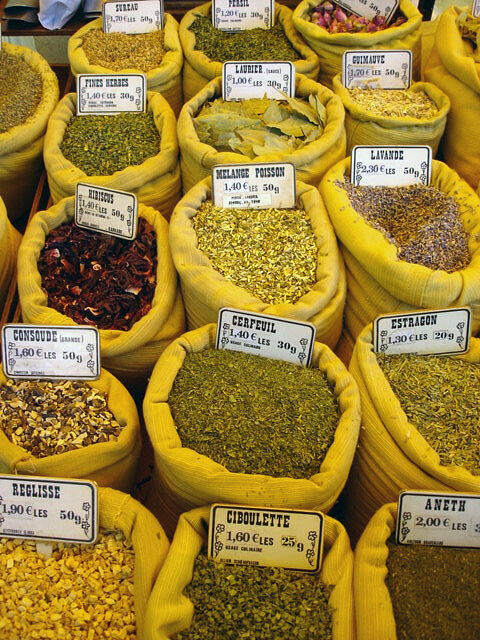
x,y
339,15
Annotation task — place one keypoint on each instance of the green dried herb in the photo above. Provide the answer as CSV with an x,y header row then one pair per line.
x,y
469,29
21,89
254,415
434,592
395,103
119,51
441,398
422,222
251,44
260,125
101,145
259,603
269,252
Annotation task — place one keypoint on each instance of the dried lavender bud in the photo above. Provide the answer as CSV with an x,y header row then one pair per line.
x,y
251,44
47,418
21,90
101,145
269,252
254,415
434,591
97,279
394,103
440,397
119,51
422,222
258,603
335,19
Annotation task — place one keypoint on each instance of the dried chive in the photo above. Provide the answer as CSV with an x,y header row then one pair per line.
x,y
395,103
119,51
259,603
101,145
441,398
252,44
254,415
269,252
21,90
434,592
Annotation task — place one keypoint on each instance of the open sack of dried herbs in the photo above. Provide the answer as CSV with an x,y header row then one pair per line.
x,y
206,48
454,66
408,247
379,117
413,591
237,428
157,54
28,95
130,151
85,591
9,243
329,31
306,130
283,262
128,289
197,598
420,426
68,429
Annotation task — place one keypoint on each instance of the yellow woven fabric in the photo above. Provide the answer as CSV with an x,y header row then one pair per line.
x,y
364,127
330,46
199,69
205,291
169,611
453,69
156,181
131,354
120,511
110,464
9,243
166,79
21,146
311,162
193,480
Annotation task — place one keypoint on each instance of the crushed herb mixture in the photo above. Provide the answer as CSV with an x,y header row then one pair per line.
x,y
119,51
394,103
21,89
469,28
254,415
98,279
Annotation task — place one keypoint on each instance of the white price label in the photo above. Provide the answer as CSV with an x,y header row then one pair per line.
x,y
142,16
254,186
244,80
475,8
385,69
391,166
56,353
106,210
436,332
438,519
266,336
266,537
239,15
105,94
371,9
48,509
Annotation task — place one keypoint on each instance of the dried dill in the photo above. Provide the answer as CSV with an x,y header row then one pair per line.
x,y
21,89
441,398
254,415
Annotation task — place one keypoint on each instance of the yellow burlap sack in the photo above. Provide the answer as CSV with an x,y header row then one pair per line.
x,y
129,355
205,291
412,284
392,456
156,182
199,69
184,479
373,607
110,464
119,511
330,46
9,243
169,611
364,127
452,68
311,162
166,79
21,147
344,348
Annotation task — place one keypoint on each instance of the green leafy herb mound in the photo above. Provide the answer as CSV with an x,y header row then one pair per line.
x,y
253,414
234,602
